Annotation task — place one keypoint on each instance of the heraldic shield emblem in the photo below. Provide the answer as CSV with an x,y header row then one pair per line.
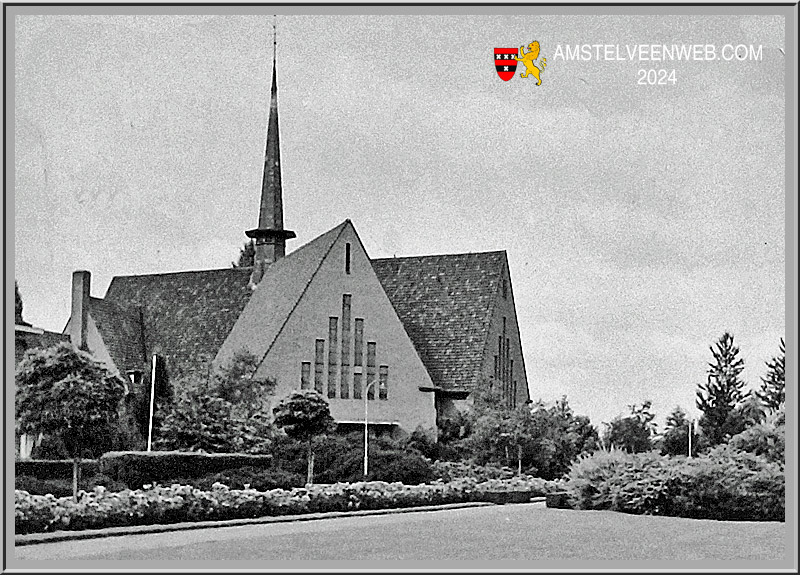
x,y
505,62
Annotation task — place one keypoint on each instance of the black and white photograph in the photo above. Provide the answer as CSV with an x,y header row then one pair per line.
x,y
373,286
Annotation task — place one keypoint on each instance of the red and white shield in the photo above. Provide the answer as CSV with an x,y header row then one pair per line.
x,y
504,62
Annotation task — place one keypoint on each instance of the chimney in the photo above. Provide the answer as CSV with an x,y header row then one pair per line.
x,y
80,308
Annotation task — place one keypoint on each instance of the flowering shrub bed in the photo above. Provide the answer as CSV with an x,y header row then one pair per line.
x,y
160,504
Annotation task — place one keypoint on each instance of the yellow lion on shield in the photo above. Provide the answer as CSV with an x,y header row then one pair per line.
x,y
527,58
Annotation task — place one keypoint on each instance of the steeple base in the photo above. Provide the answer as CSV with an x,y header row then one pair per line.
x,y
270,247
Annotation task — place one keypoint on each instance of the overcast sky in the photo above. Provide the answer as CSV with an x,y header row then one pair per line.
x,y
640,222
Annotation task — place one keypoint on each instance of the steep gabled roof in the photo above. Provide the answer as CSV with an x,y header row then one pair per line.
x,y
276,296
121,330
445,303
186,315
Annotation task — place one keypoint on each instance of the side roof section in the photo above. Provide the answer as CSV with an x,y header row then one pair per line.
x,y
445,304
185,315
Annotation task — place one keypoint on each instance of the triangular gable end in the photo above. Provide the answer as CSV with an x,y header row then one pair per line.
x,y
340,334
274,298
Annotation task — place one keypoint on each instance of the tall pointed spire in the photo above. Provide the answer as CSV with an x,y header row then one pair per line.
x,y
270,237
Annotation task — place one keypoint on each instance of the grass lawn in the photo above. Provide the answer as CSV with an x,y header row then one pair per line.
x,y
518,532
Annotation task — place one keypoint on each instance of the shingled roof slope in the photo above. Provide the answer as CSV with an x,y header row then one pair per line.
x,y
445,304
186,315
121,330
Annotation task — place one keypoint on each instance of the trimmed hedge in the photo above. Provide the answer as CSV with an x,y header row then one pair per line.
x,y
178,503
723,484
54,469
137,468
258,479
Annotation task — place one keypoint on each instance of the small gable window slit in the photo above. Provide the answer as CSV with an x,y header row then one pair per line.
x,y
347,258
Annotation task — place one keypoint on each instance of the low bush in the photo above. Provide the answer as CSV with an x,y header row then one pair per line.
x,y
137,468
724,484
767,440
177,503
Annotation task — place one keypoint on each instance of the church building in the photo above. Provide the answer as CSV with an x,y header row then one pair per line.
x,y
415,337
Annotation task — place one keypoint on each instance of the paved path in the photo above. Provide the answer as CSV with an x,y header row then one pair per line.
x,y
527,532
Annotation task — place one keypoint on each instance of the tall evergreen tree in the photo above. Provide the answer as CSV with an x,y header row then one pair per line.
x,y
722,392
773,386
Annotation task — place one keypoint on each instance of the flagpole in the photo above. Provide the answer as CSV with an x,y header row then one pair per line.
x,y
152,399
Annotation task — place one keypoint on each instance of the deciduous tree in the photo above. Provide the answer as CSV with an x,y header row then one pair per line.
x,y
633,433
304,415
227,414
64,392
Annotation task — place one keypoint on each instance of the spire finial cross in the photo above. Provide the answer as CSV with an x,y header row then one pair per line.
x,y
274,36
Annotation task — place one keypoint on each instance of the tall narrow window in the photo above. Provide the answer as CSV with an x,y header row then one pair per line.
x,y
333,344
305,375
357,377
496,367
383,382
508,359
514,397
347,258
358,350
371,345
319,365
344,383
502,357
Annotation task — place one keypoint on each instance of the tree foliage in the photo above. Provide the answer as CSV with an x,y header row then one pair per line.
x,y
722,392
227,414
541,439
247,256
64,392
675,440
773,385
236,383
304,415
633,433
202,422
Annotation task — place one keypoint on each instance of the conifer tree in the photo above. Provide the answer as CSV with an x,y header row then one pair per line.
x,y
773,386
722,392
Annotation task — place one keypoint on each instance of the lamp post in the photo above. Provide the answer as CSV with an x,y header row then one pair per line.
x,y
152,401
366,425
